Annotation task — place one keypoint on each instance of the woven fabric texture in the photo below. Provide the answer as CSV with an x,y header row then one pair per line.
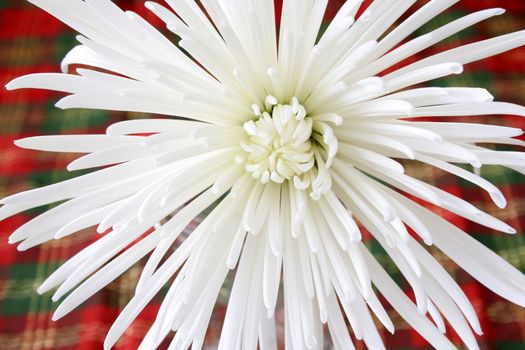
x,y
33,41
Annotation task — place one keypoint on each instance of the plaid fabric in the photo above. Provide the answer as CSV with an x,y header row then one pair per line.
x,y
32,41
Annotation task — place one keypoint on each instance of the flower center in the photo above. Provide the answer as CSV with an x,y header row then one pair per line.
x,y
279,143
285,143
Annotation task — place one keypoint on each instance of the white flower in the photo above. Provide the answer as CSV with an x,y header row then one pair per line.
x,y
288,139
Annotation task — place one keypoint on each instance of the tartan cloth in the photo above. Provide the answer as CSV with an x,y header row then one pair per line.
x,y
33,41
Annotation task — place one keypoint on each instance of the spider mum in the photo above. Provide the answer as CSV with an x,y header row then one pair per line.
x,y
286,139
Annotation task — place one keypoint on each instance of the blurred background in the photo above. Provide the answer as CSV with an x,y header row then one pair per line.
x,y
33,41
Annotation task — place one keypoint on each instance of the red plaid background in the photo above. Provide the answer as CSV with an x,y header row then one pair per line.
x,y
33,41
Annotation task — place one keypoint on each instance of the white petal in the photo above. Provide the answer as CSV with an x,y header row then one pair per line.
x,y
468,53
404,306
76,143
107,274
